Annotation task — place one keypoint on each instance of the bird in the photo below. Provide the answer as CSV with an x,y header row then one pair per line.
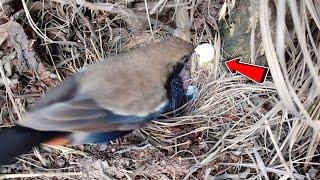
x,y
107,100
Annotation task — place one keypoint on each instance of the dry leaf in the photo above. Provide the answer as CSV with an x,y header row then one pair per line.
x,y
4,32
223,11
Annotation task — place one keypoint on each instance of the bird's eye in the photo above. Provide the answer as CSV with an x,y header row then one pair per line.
x,y
185,59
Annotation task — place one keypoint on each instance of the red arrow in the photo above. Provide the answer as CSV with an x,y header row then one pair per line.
x,y
253,72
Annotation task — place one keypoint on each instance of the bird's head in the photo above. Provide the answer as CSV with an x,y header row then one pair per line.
x,y
203,52
176,58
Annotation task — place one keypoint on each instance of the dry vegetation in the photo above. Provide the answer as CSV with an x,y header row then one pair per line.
x,y
234,129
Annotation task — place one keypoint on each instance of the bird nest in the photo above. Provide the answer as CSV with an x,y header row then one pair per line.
x,y
233,129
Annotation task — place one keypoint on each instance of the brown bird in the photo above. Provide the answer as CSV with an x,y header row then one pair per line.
x,y
106,101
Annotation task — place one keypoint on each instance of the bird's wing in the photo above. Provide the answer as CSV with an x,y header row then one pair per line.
x,y
120,93
63,92
63,109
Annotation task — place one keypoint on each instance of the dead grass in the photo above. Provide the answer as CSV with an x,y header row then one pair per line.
x,y
234,129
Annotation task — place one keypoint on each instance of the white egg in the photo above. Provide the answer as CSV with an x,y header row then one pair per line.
x,y
205,52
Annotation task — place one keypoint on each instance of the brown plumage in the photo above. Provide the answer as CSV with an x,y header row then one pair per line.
x,y
129,84
133,82
108,100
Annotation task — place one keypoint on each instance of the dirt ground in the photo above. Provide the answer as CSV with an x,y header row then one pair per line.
x,y
234,129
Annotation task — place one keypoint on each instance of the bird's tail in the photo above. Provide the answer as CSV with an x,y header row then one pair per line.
x,y
17,140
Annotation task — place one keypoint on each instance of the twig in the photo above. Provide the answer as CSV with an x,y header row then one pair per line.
x,y
60,174
149,21
182,22
130,17
268,169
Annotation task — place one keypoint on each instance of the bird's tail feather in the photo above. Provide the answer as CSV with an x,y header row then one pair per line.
x,y
17,140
